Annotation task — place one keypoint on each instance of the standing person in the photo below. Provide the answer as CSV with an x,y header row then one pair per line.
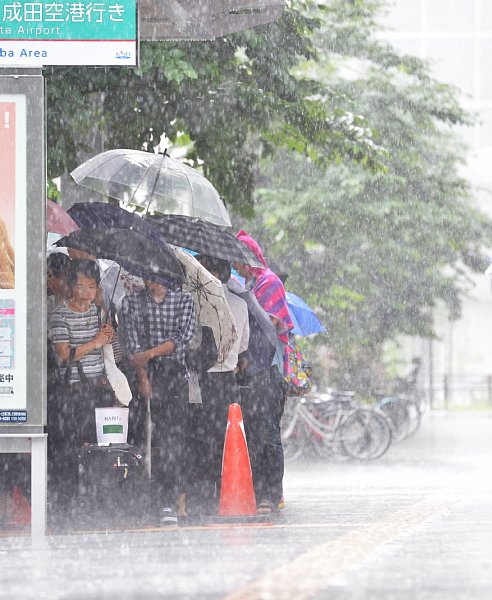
x,y
157,324
266,464
218,385
202,355
58,288
77,333
57,272
269,389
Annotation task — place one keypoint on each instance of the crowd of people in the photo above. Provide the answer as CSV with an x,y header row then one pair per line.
x,y
171,361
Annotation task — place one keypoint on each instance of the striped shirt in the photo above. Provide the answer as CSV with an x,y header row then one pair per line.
x,y
78,328
270,293
145,323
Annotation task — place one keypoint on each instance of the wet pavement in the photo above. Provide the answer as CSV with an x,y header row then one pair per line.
x,y
415,524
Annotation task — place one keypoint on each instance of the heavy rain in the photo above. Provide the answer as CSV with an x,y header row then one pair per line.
x,y
245,296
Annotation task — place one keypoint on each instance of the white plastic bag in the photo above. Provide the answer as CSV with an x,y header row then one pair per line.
x,y
116,378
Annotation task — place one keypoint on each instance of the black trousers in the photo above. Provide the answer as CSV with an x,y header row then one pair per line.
x,y
219,390
169,415
262,400
71,423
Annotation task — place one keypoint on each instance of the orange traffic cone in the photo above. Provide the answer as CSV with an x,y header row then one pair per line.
x,y
237,495
20,509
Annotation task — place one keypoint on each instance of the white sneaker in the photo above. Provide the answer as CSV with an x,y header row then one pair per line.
x,y
168,517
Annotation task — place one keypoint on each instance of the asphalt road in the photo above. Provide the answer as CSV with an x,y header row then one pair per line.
x,y
415,524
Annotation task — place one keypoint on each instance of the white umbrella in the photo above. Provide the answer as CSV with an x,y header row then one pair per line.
x,y
155,182
210,301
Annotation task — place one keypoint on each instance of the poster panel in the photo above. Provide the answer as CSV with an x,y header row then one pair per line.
x,y
13,271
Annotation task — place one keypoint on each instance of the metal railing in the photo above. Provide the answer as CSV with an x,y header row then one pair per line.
x,y
461,390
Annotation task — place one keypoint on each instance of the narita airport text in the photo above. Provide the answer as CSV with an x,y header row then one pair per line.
x,y
24,30
23,53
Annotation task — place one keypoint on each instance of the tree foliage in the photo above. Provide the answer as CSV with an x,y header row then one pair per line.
x,y
343,148
235,99
375,252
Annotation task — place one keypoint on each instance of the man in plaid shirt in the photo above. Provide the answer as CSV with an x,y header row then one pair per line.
x,y
157,324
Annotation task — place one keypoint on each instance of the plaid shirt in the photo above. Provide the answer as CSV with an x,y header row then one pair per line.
x,y
146,324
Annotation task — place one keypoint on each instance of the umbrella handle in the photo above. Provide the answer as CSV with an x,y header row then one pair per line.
x,y
112,294
148,440
164,154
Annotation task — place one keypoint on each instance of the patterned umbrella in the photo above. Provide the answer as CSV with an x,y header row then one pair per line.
x,y
211,305
203,237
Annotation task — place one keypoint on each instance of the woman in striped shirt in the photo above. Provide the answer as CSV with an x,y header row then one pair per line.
x,y
78,335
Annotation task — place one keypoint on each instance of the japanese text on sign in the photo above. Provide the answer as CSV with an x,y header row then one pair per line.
x,y
76,12
51,20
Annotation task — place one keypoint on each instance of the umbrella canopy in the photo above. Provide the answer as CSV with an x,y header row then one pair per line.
x,y
96,215
203,20
136,253
211,305
155,182
58,220
305,321
203,237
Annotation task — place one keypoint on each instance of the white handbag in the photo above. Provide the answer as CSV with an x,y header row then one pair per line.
x,y
116,378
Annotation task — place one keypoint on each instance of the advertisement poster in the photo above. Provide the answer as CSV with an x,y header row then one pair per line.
x,y
13,214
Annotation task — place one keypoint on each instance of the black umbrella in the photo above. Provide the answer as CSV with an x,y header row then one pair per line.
x,y
133,251
90,215
203,237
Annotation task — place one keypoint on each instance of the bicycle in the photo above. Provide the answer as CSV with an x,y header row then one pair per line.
x,y
403,405
334,427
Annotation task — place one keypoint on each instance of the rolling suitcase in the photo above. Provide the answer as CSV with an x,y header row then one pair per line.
x,y
113,488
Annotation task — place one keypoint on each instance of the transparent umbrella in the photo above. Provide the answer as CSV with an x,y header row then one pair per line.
x,y
155,182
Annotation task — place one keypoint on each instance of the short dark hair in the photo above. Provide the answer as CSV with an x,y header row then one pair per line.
x,y
216,265
84,266
59,264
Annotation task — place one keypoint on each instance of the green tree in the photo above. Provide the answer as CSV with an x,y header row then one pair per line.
x,y
373,251
234,100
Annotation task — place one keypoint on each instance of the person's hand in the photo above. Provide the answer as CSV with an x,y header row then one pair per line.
x,y
101,339
108,331
145,388
140,360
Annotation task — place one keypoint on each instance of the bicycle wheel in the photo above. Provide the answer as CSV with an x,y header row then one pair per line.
x,y
364,434
293,437
414,414
398,414
331,448
381,433
328,445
